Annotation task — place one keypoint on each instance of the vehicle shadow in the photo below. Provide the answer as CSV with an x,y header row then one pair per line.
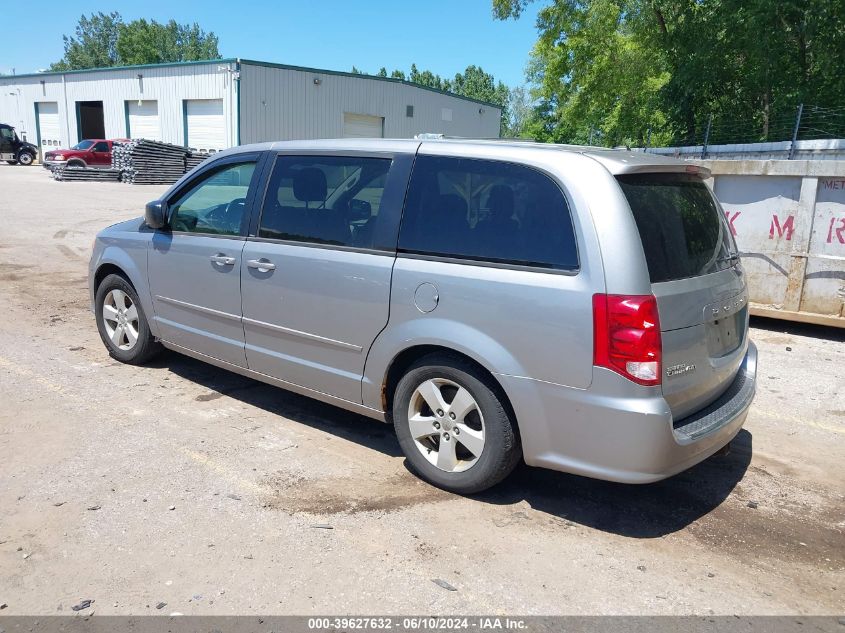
x,y
637,511
325,417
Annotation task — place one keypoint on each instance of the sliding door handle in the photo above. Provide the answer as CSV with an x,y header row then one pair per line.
x,y
261,265
222,259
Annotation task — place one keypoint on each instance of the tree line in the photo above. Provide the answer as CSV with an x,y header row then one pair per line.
x,y
620,71
104,40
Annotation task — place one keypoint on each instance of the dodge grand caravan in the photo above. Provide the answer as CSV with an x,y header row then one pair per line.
x,y
582,309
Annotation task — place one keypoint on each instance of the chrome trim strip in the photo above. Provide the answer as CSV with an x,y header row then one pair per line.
x,y
305,335
277,382
191,306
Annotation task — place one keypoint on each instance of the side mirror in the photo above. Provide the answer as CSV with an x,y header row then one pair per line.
x,y
155,214
360,209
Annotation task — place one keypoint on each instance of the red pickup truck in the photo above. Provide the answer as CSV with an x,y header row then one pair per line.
x,y
87,153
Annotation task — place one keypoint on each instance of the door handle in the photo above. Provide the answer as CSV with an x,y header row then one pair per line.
x,y
222,260
262,265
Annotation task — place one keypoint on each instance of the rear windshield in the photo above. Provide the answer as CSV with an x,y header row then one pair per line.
x,y
683,231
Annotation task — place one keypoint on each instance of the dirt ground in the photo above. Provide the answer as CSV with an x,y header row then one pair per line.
x,y
183,484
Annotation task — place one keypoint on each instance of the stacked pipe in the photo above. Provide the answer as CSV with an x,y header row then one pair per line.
x,y
194,158
88,174
145,162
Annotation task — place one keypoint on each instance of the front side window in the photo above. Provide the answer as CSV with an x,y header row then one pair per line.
x,y
487,211
102,146
7,133
214,203
324,199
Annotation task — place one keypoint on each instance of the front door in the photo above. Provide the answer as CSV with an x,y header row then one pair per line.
x,y
316,273
194,266
100,155
8,143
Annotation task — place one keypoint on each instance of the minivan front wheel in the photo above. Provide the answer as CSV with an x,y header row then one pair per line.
x,y
453,426
122,323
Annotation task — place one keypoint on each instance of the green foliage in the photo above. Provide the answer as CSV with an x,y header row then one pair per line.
x,y
621,70
94,45
104,40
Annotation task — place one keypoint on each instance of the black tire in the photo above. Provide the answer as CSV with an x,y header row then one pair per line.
x,y
502,448
26,159
146,346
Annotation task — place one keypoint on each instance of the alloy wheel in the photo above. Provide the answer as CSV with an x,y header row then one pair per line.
x,y
446,425
120,317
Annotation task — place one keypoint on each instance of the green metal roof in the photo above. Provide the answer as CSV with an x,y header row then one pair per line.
x,y
251,62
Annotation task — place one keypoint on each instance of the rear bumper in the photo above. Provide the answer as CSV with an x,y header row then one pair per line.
x,y
609,433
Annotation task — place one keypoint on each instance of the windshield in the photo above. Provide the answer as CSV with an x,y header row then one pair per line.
x,y
683,231
83,145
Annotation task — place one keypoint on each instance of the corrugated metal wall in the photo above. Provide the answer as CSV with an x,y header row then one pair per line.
x,y
276,103
169,85
285,104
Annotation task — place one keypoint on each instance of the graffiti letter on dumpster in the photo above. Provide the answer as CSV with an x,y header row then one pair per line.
x,y
838,231
731,219
788,227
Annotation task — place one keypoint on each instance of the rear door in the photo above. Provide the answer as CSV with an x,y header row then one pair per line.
x,y
194,266
698,282
317,267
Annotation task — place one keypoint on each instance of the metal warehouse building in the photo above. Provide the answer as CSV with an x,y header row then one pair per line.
x,y
220,103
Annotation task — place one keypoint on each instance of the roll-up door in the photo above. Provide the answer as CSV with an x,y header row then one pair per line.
x,y
205,124
142,120
49,134
362,126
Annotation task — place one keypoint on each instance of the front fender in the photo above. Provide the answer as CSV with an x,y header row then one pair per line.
x,y
441,332
131,258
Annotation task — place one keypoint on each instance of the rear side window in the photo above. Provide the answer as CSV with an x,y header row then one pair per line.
x,y
324,200
487,211
684,234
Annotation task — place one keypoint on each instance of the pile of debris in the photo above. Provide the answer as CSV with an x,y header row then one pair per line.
x,y
87,174
146,162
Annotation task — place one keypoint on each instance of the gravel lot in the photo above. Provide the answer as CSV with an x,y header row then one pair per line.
x,y
182,484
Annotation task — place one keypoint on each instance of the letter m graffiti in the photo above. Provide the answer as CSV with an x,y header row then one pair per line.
x,y
787,227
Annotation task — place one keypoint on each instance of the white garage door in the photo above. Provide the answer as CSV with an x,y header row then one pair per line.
x,y
205,123
48,126
143,120
362,126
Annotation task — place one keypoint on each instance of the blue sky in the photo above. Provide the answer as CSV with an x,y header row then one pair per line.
x,y
444,36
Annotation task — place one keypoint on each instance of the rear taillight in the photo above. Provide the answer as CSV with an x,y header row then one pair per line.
x,y
626,336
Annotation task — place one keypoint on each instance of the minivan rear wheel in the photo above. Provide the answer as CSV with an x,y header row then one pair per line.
x,y
453,425
122,323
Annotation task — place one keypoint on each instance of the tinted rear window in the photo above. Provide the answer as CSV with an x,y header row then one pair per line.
x,y
488,211
683,231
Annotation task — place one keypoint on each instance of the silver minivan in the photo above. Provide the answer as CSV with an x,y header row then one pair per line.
x,y
582,309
